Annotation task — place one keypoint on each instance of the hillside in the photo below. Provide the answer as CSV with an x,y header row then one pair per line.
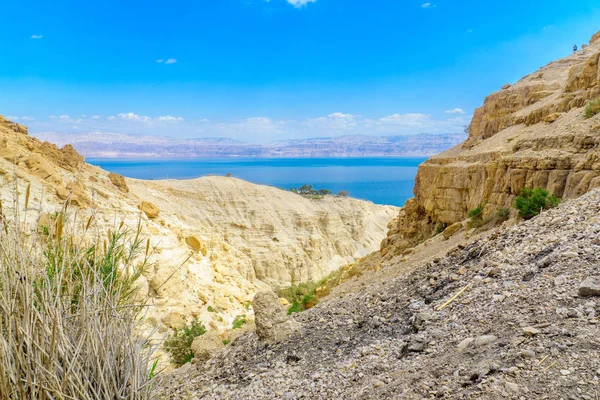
x,y
525,327
506,311
215,240
110,145
531,134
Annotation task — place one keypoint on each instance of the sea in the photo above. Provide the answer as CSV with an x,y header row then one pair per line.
x,y
382,180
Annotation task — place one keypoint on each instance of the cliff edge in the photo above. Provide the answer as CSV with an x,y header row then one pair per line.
x,y
530,134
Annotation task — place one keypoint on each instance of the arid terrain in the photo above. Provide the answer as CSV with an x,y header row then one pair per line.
x,y
447,308
215,240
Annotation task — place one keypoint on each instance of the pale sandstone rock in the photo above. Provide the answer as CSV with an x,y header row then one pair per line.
x,y
452,229
118,181
150,209
174,320
510,148
207,345
62,193
196,244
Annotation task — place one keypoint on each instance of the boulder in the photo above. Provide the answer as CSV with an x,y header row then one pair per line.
x,y
150,209
174,320
119,182
272,323
207,345
62,192
452,229
552,117
590,287
196,244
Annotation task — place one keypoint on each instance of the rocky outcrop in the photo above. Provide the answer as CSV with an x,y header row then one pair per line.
x,y
206,346
150,209
272,323
118,181
531,134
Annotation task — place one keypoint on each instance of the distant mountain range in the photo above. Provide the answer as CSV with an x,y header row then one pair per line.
x,y
110,145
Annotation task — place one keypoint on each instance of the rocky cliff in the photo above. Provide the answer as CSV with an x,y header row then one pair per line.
x,y
215,240
530,134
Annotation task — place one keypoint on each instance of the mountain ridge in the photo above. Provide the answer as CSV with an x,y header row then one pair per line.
x,y
111,145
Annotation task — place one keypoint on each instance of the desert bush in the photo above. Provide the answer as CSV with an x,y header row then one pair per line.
x,y
530,202
343,193
476,216
592,108
503,214
179,343
69,328
476,212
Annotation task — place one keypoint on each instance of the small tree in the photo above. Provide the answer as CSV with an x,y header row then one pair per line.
x,y
531,202
343,193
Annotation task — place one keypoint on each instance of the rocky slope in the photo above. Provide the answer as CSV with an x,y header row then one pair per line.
x,y
510,315
215,240
531,134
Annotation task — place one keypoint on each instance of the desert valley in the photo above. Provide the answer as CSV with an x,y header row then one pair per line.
x,y
484,285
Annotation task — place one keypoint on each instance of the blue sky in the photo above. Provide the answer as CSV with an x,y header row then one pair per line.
x,y
261,70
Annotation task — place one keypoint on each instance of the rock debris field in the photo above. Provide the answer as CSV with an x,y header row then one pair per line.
x,y
513,315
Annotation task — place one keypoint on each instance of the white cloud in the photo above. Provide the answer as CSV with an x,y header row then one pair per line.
x,y
340,115
171,61
261,128
28,118
133,117
455,111
35,36
300,3
12,117
410,119
170,118
160,61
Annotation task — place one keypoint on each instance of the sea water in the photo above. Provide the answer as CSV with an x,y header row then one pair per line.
x,y
382,180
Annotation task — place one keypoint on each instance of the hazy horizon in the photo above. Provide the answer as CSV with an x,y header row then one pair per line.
x,y
266,70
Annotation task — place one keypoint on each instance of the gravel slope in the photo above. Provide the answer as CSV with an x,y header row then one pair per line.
x,y
519,330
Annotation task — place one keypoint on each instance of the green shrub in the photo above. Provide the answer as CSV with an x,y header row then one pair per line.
x,y
477,212
503,214
592,108
295,308
531,202
476,216
239,321
179,344
210,309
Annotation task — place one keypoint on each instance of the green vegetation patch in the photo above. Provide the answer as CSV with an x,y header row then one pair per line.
x,y
179,344
239,321
531,202
592,108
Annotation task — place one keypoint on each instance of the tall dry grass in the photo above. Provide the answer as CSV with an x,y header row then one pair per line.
x,y
68,321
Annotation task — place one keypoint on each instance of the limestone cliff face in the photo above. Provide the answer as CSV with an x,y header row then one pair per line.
x,y
216,240
531,134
